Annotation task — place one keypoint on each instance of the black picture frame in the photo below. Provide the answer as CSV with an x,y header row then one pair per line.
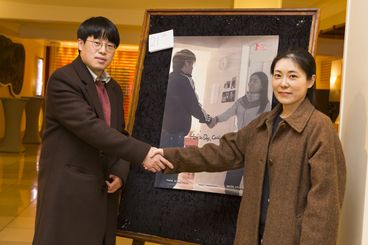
x,y
196,217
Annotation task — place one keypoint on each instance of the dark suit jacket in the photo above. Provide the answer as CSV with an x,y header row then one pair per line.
x,y
79,151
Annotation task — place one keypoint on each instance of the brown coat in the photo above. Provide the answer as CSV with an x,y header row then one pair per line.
x,y
306,169
79,151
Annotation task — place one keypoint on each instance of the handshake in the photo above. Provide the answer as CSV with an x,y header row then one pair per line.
x,y
211,121
155,161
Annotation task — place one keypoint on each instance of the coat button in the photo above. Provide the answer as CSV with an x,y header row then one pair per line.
x,y
270,162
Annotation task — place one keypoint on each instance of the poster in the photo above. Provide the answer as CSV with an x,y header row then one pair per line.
x,y
231,81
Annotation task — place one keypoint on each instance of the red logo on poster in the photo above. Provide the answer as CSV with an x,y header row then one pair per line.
x,y
260,46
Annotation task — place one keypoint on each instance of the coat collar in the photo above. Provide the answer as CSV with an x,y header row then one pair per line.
x,y
298,120
87,79
105,77
82,71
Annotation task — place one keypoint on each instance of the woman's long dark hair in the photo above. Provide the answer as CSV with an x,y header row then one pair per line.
x,y
305,61
264,92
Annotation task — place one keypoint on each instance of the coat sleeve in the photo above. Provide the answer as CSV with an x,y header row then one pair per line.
x,y
121,169
229,154
328,176
69,104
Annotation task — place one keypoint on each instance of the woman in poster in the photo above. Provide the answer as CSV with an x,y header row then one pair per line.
x,y
246,108
249,106
295,171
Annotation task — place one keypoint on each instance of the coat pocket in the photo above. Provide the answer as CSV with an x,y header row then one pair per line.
x,y
80,171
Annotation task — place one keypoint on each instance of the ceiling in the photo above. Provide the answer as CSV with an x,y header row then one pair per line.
x,y
148,4
139,4
131,4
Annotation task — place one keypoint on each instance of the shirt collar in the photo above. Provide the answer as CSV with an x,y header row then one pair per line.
x,y
105,77
298,120
187,75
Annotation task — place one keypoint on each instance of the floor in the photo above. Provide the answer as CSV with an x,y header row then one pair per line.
x,y
18,192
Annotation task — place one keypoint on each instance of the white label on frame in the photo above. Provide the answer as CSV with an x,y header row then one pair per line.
x,y
160,41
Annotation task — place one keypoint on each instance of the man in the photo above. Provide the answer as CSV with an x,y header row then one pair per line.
x,y
180,105
85,150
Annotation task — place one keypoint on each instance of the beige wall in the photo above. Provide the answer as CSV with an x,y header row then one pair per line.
x,y
34,49
332,13
354,125
39,21
257,3
39,12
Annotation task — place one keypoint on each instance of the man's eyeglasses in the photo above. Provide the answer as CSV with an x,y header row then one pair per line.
x,y
98,44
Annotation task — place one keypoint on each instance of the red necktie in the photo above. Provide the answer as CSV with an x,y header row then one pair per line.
x,y
104,100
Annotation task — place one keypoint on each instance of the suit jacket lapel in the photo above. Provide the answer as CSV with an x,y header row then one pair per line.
x,y
87,79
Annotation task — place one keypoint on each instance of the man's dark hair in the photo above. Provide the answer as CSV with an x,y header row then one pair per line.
x,y
180,57
100,28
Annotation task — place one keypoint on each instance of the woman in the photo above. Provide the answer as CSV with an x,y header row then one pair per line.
x,y
294,165
246,108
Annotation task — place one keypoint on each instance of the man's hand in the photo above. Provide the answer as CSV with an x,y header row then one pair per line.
x,y
114,184
155,162
212,123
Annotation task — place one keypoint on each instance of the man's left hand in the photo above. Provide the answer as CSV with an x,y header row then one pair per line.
x,y
114,184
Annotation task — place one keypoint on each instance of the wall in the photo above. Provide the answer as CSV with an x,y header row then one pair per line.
x,y
47,19
330,47
354,125
332,13
257,3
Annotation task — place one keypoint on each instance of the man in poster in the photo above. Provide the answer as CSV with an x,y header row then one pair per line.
x,y
181,104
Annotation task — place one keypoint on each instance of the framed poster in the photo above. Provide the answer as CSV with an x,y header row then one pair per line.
x,y
201,217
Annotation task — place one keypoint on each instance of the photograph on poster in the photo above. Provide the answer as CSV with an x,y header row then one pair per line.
x,y
217,84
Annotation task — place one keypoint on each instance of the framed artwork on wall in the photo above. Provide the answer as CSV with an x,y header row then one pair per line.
x,y
230,46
